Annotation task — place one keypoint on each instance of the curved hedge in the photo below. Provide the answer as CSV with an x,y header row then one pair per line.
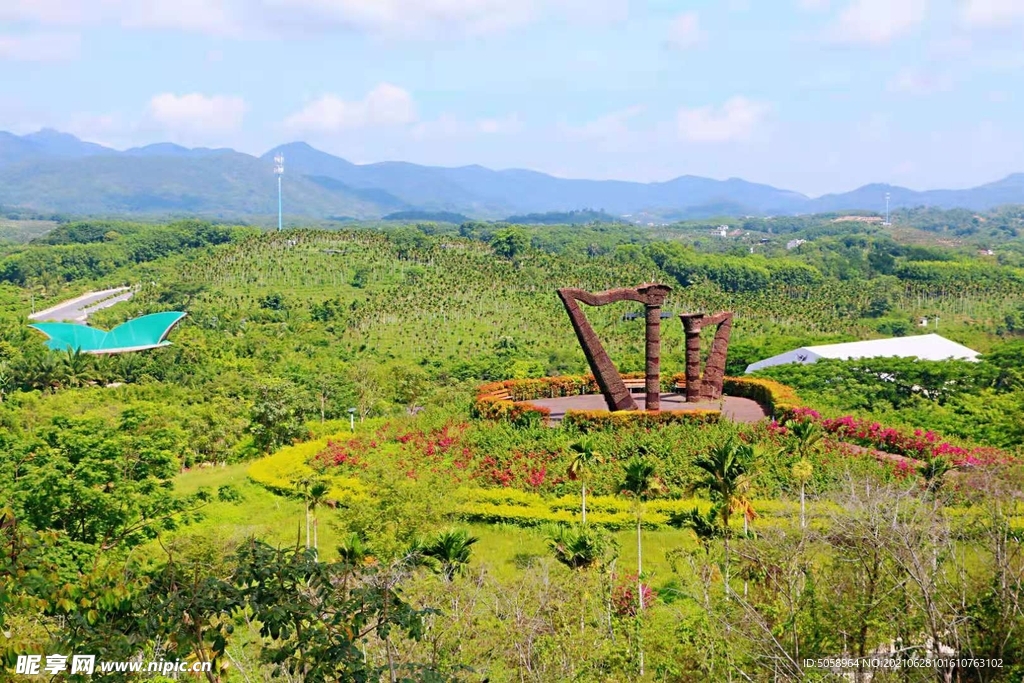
x,y
778,398
501,400
589,420
280,472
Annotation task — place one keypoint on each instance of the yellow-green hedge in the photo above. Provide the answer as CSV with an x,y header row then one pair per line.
x,y
280,471
588,420
776,396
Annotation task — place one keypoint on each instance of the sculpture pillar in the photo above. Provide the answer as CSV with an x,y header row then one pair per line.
x,y
691,329
616,395
652,352
708,387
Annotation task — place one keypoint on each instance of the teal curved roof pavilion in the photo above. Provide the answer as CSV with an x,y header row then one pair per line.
x,y
144,332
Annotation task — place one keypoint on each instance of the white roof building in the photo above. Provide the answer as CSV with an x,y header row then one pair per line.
x,y
924,347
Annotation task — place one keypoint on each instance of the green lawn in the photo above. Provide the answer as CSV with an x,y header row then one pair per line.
x,y
277,519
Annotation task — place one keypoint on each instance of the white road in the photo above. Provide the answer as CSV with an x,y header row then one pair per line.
x,y
79,308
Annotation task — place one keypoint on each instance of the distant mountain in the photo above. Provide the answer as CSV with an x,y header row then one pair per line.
x,y
226,184
1009,190
54,171
54,143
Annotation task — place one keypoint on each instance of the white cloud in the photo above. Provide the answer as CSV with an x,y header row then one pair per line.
x,y
609,126
449,126
259,18
992,13
915,82
195,114
39,47
195,16
109,130
877,22
412,16
685,32
385,105
813,5
500,126
66,12
736,119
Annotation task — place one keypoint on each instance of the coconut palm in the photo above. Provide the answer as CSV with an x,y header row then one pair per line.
x,y
726,478
584,455
451,551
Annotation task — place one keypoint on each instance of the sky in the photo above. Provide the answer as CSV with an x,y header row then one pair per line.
x,y
815,96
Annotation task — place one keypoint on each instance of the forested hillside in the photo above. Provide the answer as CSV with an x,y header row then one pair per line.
x,y
211,501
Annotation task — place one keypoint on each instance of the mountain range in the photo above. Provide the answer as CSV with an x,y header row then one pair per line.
x,y
53,171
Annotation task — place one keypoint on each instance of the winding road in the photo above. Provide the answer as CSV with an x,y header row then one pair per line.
x,y
77,310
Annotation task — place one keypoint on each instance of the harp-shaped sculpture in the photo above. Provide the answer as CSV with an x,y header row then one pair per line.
x,y
709,386
616,395
144,332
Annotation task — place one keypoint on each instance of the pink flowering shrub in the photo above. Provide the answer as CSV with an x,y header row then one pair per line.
x,y
919,444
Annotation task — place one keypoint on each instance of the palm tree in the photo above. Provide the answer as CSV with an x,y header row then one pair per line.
x,y
584,456
316,495
807,435
47,373
353,550
704,526
77,367
451,550
640,484
802,472
933,472
725,477
303,484
578,546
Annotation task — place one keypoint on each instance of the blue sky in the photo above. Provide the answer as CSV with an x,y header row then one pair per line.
x,y
811,95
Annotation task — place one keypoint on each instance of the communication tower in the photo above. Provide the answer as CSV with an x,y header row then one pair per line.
x,y
279,171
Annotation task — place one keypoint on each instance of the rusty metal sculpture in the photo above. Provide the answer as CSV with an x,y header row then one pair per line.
x,y
614,390
709,386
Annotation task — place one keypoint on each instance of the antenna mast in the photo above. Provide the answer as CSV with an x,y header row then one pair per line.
x,y
886,210
279,171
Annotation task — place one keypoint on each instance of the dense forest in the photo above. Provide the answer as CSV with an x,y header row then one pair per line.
x,y
211,501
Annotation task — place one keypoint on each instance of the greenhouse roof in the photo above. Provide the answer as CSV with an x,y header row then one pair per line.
x,y
145,332
923,347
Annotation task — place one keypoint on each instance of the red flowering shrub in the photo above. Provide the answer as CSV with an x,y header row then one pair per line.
x,y
624,600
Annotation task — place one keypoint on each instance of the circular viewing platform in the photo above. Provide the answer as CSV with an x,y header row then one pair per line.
x,y
734,408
